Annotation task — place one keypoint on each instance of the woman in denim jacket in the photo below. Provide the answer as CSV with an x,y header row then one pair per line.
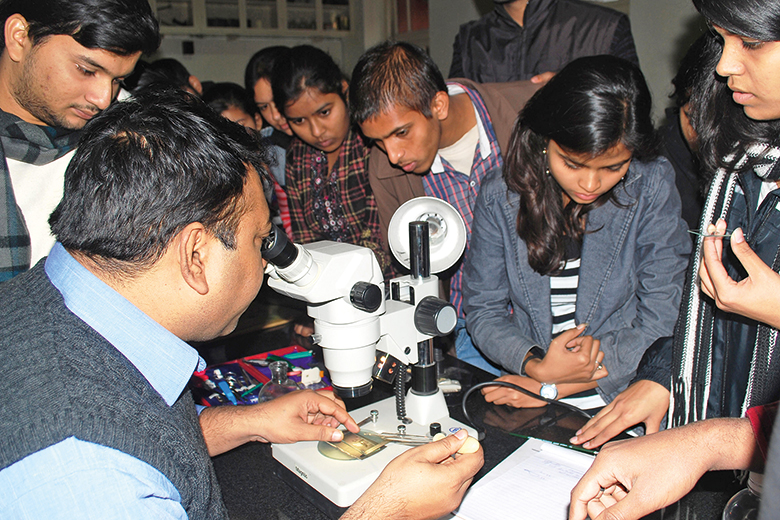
x,y
584,203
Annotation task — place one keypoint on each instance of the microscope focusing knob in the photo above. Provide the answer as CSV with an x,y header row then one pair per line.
x,y
435,317
365,296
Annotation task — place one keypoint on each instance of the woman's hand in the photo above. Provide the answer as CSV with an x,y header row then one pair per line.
x,y
504,395
512,397
757,296
569,359
643,402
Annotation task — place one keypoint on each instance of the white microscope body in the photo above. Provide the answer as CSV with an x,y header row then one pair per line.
x,y
364,335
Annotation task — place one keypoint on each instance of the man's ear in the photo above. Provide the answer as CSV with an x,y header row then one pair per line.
x,y
16,36
345,89
192,252
440,106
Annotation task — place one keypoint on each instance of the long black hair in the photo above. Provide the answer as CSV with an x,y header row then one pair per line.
x,y
759,19
261,64
722,126
305,67
589,107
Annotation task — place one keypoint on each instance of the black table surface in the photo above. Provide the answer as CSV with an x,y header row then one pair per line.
x,y
255,486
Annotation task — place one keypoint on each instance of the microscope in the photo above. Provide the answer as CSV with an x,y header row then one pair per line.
x,y
365,334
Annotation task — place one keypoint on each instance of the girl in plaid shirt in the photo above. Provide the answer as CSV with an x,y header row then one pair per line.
x,y
327,170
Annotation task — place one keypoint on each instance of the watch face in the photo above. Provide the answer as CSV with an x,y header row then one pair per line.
x,y
548,391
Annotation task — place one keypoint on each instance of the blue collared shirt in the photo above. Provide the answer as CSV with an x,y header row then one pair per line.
x,y
77,479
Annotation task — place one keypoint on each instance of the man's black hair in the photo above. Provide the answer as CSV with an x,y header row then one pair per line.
x,y
147,167
393,74
122,27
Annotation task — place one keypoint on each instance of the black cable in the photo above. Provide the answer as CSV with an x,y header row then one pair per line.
x,y
481,433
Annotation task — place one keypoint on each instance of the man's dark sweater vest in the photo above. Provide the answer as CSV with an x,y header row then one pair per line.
x,y
60,378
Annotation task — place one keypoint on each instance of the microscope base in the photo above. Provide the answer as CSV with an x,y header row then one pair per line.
x,y
343,481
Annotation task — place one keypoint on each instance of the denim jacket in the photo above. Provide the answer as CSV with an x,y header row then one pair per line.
x,y
630,281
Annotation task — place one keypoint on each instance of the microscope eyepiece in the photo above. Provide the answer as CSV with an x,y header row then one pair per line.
x,y
278,249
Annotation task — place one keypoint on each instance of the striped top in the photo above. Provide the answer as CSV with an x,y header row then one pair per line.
x,y
563,296
563,289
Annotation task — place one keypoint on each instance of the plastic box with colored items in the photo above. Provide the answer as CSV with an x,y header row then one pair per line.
x,y
239,381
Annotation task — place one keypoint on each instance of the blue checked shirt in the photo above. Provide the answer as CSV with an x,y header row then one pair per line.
x,y
461,189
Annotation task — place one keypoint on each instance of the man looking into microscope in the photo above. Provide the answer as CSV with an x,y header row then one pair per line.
x,y
107,427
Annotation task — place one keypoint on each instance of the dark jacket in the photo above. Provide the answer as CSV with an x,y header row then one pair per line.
x,y
496,49
728,372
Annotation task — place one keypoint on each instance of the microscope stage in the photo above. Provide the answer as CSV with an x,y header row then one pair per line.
x,y
343,481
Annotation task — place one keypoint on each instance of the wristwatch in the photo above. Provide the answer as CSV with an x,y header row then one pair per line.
x,y
549,391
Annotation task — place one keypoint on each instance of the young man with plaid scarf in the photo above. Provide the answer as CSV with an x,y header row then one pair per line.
x,y
62,62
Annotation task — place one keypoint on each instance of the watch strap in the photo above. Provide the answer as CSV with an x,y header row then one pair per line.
x,y
533,353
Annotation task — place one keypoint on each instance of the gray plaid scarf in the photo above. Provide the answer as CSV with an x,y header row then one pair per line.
x,y
32,144
692,359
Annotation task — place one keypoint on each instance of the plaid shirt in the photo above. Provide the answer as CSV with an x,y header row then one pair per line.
x,y
461,190
32,144
336,206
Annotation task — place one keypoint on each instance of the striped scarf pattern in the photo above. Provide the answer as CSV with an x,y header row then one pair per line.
x,y
693,336
32,144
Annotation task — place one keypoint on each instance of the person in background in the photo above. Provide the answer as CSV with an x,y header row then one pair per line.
x,y
166,72
679,142
110,429
231,101
270,123
533,39
257,80
578,252
434,138
61,63
327,173
721,360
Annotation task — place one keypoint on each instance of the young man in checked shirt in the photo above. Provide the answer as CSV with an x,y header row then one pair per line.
x,y
431,138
